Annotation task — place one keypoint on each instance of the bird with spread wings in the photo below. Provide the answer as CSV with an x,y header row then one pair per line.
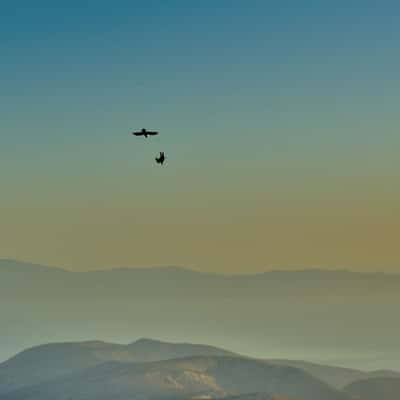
x,y
161,158
145,133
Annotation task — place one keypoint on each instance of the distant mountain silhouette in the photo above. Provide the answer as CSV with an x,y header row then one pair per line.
x,y
23,278
15,266
53,304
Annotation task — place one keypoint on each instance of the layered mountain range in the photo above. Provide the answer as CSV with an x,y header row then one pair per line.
x,y
335,317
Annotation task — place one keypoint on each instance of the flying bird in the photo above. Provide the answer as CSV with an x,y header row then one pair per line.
x,y
161,158
145,133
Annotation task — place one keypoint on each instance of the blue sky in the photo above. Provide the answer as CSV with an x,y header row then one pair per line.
x,y
254,100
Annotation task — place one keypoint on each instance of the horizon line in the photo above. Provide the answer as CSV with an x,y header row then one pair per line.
x,y
197,271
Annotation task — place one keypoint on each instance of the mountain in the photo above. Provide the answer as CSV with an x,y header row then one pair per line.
x,y
182,370
255,396
339,315
26,278
216,376
154,350
375,388
336,377
46,362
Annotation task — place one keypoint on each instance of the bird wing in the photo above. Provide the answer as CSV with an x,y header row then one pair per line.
x,y
137,133
152,133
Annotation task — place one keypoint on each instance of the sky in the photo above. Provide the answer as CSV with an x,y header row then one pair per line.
x,y
279,120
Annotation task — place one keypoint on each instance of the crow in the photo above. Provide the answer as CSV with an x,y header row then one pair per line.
x,y
145,133
161,158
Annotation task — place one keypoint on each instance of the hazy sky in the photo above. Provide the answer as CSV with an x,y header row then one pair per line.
x,y
279,120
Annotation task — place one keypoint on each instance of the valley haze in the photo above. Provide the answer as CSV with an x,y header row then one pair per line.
x,y
336,317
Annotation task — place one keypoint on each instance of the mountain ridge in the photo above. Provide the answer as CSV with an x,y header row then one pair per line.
x,y
385,388
308,272
49,362
215,376
54,305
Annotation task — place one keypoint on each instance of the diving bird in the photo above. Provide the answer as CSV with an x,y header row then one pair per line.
x,y
145,133
161,158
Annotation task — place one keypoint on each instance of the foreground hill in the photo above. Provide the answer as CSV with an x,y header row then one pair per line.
x,y
375,388
215,377
46,362
43,364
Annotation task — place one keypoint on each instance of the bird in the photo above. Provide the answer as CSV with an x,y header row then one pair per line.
x,y
161,158
145,133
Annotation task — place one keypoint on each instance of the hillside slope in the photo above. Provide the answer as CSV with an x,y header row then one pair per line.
x,y
179,379
46,362
375,388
